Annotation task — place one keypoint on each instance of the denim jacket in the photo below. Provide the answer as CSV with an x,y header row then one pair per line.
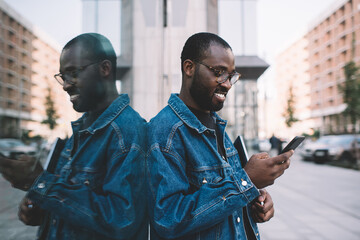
x,y
96,191
194,193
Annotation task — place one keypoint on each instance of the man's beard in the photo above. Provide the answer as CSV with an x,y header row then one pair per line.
x,y
203,96
90,98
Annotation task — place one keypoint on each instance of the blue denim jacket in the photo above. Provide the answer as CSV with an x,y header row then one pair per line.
x,y
97,191
193,192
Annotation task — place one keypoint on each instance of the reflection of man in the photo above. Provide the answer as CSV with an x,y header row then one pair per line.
x,y
96,189
197,187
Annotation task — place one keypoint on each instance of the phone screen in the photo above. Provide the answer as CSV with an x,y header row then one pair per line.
x,y
293,144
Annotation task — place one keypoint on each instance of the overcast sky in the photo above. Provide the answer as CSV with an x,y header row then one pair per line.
x,y
280,22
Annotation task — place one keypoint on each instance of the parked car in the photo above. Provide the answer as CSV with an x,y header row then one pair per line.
x,y
13,148
307,152
332,148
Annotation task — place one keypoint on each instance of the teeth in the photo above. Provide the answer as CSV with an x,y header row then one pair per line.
x,y
220,95
72,97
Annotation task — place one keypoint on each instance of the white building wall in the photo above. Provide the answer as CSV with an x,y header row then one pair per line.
x,y
156,49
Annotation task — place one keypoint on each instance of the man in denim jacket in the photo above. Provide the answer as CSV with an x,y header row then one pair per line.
x,y
197,187
96,189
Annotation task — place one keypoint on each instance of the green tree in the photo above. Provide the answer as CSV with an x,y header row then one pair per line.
x,y
350,91
50,111
289,113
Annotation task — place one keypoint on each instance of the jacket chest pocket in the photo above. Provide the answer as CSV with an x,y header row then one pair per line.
x,y
204,175
88,177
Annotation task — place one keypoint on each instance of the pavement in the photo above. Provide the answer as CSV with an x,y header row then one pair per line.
x,y
10,227
312,202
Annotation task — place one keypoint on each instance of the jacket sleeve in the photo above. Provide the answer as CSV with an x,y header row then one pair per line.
x,y
116,208
176,209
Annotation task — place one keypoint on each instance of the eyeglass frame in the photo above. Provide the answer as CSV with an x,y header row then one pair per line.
x,y
218,73
73,74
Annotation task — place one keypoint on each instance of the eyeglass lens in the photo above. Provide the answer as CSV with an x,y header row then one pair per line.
x,y
225,76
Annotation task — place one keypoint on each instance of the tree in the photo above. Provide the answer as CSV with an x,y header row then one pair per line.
x,y
290,109
350,90
50,111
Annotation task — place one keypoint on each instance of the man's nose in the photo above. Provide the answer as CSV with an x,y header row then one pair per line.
x,y
226,84
67,85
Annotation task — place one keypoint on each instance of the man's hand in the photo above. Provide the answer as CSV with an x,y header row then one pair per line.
x,y
263,212
263,170
22,172
29,213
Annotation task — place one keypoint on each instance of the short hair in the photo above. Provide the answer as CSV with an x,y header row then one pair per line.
x,y
196,46
97,46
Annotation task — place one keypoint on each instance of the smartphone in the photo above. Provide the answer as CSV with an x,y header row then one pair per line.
x,y
293,144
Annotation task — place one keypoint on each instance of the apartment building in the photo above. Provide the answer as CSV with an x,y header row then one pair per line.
x,y
334,40
28,61
314,67
292,77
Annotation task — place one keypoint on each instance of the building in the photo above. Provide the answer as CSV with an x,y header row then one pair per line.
x,y
293,80
152,35
28,61
334,40
314,67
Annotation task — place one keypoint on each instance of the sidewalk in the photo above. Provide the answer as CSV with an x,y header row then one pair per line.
x,y
314,202
10,227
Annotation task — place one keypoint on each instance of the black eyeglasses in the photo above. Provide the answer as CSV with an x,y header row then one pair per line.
x,y
69,76
222,75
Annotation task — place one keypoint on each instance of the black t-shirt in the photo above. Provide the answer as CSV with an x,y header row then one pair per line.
x,y
210,122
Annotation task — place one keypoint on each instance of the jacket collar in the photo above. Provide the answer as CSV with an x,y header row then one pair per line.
x,y
115,108
184,113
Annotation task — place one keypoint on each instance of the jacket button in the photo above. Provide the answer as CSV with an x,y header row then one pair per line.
x,y
87,182
41,185
204,181
244,183
238,219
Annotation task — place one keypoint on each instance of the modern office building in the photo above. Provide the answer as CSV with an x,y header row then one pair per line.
x,y
28,61
314,66
152,34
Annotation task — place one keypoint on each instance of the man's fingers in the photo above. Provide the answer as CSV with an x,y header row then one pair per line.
x,y
7,162
7,177
282,158
262,196
27,205
263,217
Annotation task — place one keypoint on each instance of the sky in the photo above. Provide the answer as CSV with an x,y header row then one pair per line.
x,y
279,22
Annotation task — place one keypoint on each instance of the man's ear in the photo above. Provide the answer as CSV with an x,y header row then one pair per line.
x,y
188,67
105,68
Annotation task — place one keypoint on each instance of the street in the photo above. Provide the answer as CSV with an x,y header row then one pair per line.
x,y
312,202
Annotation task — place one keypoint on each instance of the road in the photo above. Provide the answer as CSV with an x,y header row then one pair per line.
x,y
312,202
